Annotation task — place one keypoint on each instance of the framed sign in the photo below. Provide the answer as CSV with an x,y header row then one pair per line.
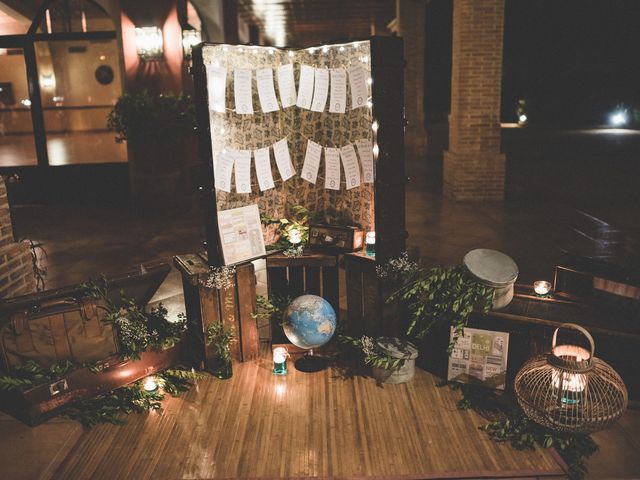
x,y
480,357
241,234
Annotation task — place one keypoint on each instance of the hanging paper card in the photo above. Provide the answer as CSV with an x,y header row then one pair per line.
x,y
350,164
263,169
365,151
283,159
242,91
338,100
223,168
332,168
286,85
243,170
266,90
311,162
305,88
321,89
217,86
358,82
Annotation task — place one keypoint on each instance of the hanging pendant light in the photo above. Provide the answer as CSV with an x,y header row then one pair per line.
x,y
570,390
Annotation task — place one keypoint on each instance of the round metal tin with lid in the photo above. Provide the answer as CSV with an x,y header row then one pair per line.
x,y
494,269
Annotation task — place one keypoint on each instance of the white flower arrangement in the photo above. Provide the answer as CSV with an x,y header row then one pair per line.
x,y
220,278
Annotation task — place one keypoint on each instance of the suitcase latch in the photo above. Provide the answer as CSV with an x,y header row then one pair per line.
x,y
58,387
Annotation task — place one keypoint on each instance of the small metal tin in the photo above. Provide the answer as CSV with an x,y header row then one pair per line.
x,y
494,269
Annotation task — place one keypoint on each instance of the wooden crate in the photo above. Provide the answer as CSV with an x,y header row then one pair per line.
x,y
233,307
313,273
368,313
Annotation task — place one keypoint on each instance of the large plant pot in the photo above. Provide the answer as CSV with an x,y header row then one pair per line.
x,y
396,348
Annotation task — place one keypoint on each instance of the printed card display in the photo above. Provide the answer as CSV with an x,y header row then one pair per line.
x,y
332,168
305,88
350,164
311,162
223,168
479,357
242,91
241,234
365,151
217,87
320,90
283,159
358,83
263,169
286,85
266,90
338,100
242,170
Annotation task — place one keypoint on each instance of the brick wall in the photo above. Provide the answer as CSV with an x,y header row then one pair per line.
x,y
16,274
474,168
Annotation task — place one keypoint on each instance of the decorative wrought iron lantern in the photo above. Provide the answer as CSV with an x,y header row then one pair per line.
x,y
570,390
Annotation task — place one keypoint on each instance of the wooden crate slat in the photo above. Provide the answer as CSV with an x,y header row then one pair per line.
x,y
230,320
249,337
296,280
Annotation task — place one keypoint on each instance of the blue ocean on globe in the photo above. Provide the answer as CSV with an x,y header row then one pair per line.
x,y
309,322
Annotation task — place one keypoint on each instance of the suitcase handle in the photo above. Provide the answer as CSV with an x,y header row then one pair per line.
x,y
58,302
112,364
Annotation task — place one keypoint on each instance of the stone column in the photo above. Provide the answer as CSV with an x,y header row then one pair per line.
x,y
474,168
409,24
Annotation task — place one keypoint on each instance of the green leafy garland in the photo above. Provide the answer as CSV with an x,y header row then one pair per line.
x,y
436,296
137,330
374,356
523,433
31,373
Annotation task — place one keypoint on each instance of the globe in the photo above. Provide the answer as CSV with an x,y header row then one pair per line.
x,y
309,321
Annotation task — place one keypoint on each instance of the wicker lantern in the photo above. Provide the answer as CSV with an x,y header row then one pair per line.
x,y
569,390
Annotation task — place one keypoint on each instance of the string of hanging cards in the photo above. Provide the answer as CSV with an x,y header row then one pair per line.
x,y
316,85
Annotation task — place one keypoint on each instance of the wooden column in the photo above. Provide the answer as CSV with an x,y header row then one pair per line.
x,y
474,168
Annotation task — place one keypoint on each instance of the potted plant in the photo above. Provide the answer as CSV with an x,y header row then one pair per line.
x,y
156,129
220,338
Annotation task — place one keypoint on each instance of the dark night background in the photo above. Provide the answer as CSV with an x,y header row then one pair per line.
x,y
573,61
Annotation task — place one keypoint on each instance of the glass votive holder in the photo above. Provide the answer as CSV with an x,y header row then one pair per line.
x,y
280,355
370,242
542,288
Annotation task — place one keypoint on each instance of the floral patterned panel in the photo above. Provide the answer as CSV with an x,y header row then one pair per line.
x,y
250,132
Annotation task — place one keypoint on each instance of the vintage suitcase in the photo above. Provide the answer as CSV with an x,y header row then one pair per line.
x,y
43,401
56,331
336,238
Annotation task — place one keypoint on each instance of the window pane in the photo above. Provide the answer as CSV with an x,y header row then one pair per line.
x,y
14,22
65,16
79,84
17,144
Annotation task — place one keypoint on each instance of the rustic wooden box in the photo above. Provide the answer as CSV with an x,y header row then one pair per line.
x,y
234,307
313,273
368,313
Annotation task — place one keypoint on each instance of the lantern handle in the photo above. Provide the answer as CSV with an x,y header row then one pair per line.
x,y
578,328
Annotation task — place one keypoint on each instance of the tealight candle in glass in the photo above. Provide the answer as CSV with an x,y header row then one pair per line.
x,y
542,288
150,384
370,241
280,355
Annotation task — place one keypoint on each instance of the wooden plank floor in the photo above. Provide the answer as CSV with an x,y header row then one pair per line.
x,y
321,425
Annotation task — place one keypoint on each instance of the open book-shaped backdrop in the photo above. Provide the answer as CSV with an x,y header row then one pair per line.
x,y
222,129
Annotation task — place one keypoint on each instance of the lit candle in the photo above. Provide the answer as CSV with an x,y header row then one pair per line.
x,y
295,236
568,384
280,355
370,241
150,384
542,287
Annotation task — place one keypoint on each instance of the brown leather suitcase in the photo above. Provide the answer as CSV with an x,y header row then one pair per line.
x,y
56,331
59,325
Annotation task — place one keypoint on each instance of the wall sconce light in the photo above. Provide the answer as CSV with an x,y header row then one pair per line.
x,y
47,81
149,43
190,38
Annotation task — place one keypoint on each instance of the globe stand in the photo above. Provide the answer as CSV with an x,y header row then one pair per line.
x,y
310,363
